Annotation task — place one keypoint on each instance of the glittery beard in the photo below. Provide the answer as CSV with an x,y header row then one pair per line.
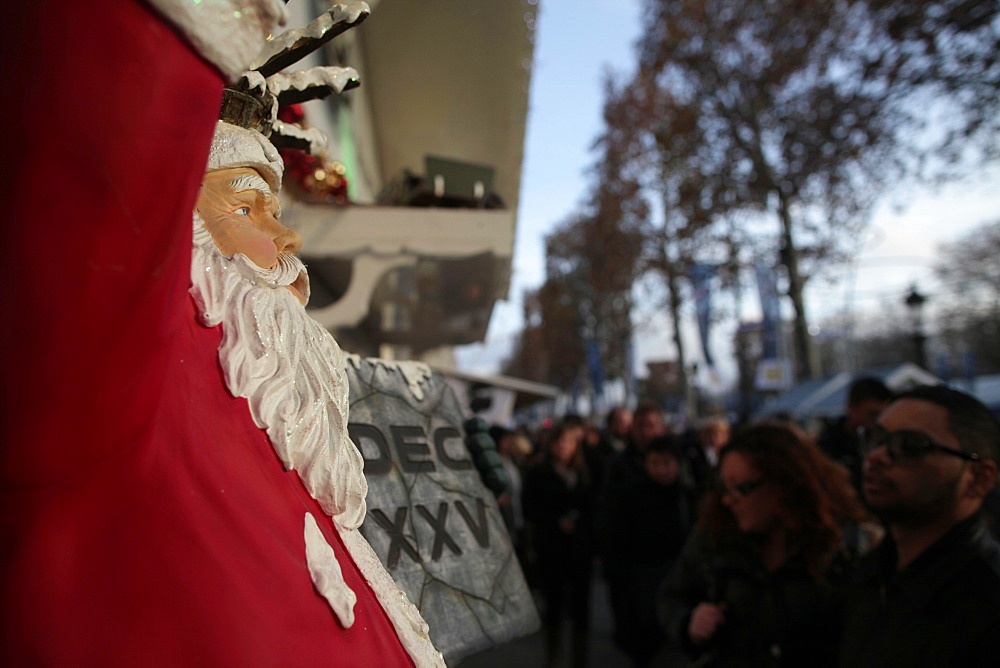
x,y
288,271
288,367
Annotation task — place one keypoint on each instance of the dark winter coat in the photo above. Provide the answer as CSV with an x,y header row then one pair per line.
x,y
942,610
643,527
784,618
548,499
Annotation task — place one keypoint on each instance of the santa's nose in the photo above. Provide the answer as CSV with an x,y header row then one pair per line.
x,y
287,240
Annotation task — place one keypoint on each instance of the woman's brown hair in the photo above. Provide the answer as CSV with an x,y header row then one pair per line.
x,y
815,492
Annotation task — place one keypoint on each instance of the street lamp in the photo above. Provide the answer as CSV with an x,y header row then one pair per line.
x,y
915,303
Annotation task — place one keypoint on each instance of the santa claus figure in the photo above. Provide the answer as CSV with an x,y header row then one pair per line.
x,y
178,486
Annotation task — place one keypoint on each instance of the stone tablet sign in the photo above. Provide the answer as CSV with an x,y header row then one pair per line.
x,y
431,520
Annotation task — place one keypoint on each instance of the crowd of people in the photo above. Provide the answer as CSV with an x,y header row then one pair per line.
x,y
869,544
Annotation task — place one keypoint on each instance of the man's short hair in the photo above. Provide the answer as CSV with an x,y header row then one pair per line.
x,y
972,423
867,388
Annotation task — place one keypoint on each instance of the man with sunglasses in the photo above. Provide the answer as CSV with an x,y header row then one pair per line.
x,y
930,595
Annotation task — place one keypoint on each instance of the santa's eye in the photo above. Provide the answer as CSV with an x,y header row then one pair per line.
x,y
242,211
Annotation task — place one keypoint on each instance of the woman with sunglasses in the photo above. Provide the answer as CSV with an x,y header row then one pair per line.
x,y
757,582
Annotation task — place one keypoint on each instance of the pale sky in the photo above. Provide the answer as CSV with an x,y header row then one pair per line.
x,y
576,42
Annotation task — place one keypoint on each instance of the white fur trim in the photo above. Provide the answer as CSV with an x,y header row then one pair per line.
x,y
233,146
228,33
326,574
410,626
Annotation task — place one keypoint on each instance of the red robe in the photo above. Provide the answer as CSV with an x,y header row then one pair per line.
x,y
145,519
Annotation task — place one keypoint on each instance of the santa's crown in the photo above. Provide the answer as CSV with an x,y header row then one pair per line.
x,y
251,103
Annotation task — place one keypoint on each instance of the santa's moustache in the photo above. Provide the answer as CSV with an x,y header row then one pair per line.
x,y
288,367
289,271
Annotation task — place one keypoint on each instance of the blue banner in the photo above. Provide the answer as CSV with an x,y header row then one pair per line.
x,y
701,276
770,306
969,364
942,363
595,367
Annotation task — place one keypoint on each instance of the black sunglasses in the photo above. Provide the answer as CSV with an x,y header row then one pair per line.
x,y
906,445
740,490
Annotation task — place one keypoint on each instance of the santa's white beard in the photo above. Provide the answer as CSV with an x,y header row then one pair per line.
x,y
288,367
291,371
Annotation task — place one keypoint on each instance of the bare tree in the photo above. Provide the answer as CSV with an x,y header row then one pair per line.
x,y
968,310
676,237
942,55
775,97
807,110
788,111
592,260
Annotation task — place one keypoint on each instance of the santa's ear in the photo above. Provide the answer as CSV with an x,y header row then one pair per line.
x,y
984,477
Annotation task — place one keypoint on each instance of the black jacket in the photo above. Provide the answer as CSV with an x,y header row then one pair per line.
x,y
547,500
784,618
942,610
640,521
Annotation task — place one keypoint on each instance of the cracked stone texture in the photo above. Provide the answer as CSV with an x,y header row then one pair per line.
x,y
430,519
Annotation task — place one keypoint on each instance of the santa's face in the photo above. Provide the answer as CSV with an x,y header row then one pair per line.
x,y
241,213
272,353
